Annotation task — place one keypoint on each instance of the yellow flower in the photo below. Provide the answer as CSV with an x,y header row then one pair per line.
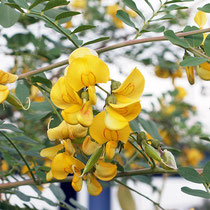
x,y
75,110
4,79
89,147
68,24
200,19
101,134
86,71
77,181
4,165
93,186
129,150
169,109
34,95
105,171
162,73
65,131
204,71
190,74
181,93
127,106
78,4
110,149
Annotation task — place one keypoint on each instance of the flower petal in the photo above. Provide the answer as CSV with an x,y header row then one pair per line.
x,y
85,115
114,120
70,114
49,176
51,152
81,52
92,95
87,71
89,146
131,88
110,149
204,71
6,77
190,74
93,186
69,147
77,182
200,19
4,92
105,171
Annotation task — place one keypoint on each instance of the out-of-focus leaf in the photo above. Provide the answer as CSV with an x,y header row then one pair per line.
x,y
96,40
122,15
150,127
54,3
195,192
190,174
66,14
205,8
22,3
42,80
206,138
173,7
192,61
134,125
11,127
8,16
165,17
58,192
36,2
51,203
207,45
78,205
15,6
150,5
22,92
22,196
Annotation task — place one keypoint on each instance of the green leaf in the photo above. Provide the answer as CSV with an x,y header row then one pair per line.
x,y
150,127
8,16
132,5
206,172
205,8
51,203
96,40
122,15
22,3
207,45
10,127
16,6
148,3
190,174
82,28
22,196
66,14
24,139
156,29
173,7
194,40
22,92
165,17
78,205
195,192
58,192
36,2
54,3
38,79
171,36
134,125
193,61
206,138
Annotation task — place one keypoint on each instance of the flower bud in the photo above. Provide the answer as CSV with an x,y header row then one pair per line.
x,y
141,136
168,161
155,143
111,99
115,85
85,95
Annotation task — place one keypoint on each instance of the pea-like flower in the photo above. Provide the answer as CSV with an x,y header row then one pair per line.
x,y
5,78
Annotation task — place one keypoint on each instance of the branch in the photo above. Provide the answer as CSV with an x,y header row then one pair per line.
x,y
112,47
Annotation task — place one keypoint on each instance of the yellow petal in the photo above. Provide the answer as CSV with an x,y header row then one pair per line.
x,y
93,186
89,146
81,52
200,19
204,71
63,97
101,134
87,71
70,114
181,93
49,176
92,95
129,150
4,165
105,171
6,77
114,120
77,182
129,111
190,74
4,92
85,115
79,4
62,131
69,147
79,131
51,152
110,149
162,73
131,88
63,164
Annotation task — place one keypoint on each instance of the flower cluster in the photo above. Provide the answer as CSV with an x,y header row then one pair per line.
x,y
88,144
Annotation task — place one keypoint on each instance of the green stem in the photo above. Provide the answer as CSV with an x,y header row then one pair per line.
x,y
54,24
20,154
197,52
155,203
51,104
102,89
113,47
206,187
